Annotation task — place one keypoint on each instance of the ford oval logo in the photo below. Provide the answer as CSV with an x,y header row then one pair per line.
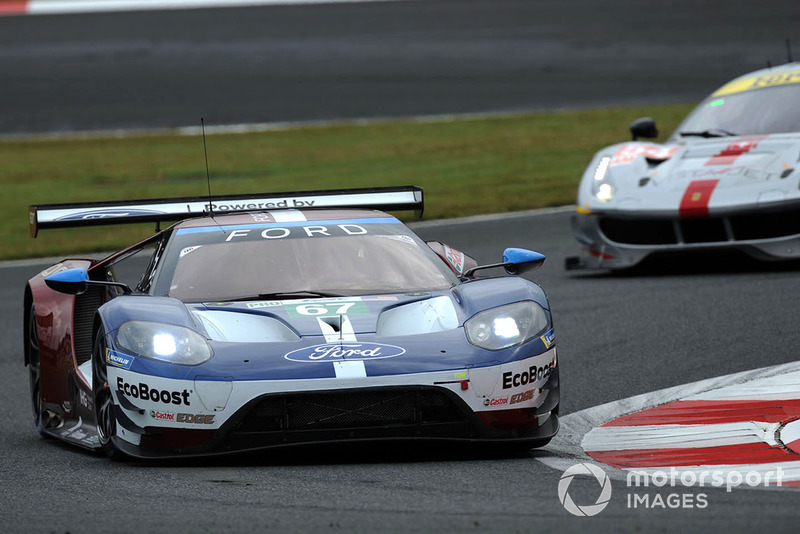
x,y
338,352
108,214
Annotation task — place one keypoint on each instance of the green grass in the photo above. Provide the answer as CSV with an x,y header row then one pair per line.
x,y
466,167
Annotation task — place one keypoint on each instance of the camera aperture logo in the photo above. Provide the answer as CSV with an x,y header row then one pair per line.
x,y
587,470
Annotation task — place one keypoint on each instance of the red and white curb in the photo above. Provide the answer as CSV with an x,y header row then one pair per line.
x,y
743,423
58,7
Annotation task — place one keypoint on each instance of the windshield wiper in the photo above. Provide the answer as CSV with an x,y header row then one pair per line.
x,y
300,294
280,295
711,132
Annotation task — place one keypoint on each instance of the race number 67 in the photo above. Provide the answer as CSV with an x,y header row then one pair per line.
x,y
338,308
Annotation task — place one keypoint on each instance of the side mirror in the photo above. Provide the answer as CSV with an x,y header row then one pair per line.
x,y
515,261
72,281
76,281
644,127
520,260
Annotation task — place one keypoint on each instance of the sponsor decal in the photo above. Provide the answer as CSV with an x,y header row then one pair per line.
x,y
162,416
408,240
189,250
379,297
455,258
548,338
522,397
281,232
84,399
108,214
75,432
249,206
495,402
144,392
338,352
119,360
759,82
191,418
628,153
711,172
57,268
534,373
264,304
197,419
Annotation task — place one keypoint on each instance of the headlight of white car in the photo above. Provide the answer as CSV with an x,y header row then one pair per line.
x,y
602,185
506,326
164,342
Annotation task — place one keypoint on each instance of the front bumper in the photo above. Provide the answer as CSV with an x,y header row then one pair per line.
x,y
509,403
618,242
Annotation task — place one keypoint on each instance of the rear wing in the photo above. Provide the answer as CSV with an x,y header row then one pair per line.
x,y
174,209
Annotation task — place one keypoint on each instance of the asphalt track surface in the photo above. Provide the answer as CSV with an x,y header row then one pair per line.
x,y
618,335
289,63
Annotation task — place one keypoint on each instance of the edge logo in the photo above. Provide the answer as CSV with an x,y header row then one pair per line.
x,y
586,510
338,352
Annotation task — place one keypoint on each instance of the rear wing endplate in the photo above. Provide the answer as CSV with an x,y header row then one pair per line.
x,y
174,209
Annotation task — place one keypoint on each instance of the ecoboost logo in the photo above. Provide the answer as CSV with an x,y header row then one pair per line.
x,y
585,470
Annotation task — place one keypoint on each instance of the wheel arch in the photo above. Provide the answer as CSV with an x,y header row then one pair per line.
x,y
26,309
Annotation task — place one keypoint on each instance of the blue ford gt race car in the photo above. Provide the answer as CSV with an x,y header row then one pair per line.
x,y
285,319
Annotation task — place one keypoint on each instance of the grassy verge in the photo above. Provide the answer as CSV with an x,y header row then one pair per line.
x,y
466,167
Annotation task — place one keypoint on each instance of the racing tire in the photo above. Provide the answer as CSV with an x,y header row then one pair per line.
x,y
35,373
103,401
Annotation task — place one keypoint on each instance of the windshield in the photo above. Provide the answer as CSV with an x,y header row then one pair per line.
x,y
273,260
761,111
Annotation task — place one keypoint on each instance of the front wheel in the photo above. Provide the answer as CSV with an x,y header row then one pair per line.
x,y
103,401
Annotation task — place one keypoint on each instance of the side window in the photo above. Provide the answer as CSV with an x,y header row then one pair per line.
x,y
136,268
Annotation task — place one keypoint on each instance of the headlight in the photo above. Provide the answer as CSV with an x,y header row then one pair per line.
x,y
506,326
164,342
602,185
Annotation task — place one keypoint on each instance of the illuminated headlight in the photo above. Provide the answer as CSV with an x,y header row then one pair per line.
x,y
506,326
602,186
164,342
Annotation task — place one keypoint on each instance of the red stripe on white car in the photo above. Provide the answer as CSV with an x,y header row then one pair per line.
x,y
696,198
729,155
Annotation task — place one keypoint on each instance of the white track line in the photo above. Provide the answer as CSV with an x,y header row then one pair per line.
x,y
62,7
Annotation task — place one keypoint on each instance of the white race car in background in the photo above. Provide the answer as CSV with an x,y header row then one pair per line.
x,y
726,178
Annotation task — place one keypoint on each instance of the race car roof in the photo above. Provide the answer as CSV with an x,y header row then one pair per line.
x,y
277,217
175,209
